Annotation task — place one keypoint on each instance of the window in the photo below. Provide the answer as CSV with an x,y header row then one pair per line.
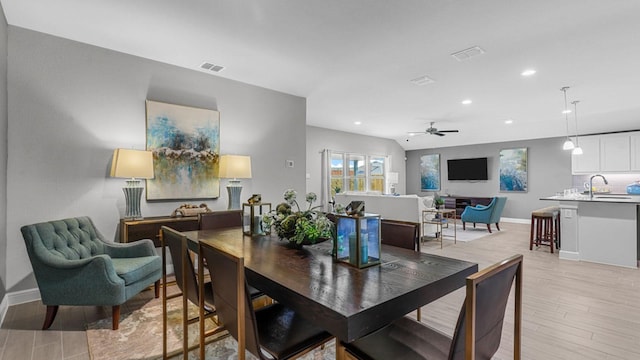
x,y
358,172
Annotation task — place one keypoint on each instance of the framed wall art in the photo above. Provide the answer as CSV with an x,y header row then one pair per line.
x,y
430,172
185,142
513,170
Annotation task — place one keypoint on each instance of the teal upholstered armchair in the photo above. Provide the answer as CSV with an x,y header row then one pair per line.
x,y
74,265
489,214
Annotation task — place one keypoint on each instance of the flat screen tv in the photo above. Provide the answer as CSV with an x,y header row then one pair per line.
x,y
467,169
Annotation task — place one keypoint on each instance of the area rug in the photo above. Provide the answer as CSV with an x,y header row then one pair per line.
x,y
469,234
140,336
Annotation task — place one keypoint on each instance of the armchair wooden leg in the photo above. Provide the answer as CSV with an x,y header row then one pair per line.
x,y
115,315
489,228
157,289
464,225
498,226
52,310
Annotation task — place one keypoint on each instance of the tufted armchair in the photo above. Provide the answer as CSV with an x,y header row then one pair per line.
x,y
489,214
74,265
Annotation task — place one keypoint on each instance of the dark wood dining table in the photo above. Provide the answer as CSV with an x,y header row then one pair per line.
x,y
346,301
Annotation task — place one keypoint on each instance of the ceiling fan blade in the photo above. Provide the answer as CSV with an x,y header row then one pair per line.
x,y
448,131
437,133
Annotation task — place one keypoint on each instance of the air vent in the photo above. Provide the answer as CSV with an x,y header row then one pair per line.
x,y
211,67
467,54
423,80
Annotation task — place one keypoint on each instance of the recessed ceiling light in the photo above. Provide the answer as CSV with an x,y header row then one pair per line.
x,y
508,121
358,122
528,72
466,102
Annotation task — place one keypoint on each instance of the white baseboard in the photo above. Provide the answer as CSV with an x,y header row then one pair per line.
x,y
569,255
18,297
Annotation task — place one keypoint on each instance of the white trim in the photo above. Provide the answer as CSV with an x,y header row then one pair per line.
x,y
569,255
515,220
18,297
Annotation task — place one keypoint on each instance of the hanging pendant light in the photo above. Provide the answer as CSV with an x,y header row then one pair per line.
x,y
576,150
568,144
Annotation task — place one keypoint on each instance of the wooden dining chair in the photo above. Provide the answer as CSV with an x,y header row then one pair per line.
x,y
219,219
272,332
185,277
404,234
478,330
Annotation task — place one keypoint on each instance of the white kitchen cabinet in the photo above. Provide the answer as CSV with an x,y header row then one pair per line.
x,y
635,152
589,161
614,153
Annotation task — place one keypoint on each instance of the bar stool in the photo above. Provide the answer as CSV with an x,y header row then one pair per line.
x,y
545,227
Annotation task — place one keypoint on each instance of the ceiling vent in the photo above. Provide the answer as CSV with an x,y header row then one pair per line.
x,y
467,54
211,67
423,80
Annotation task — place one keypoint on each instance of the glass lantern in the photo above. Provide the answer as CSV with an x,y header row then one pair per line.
x,y
252,217
357,240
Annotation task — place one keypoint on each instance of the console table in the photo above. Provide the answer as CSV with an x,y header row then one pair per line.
x,y
149,228
459,203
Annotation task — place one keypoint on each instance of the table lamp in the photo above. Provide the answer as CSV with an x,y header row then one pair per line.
x,y
393,181
234,167
134,165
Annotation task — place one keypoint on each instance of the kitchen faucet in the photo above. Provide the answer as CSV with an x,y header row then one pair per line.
x,y
591,184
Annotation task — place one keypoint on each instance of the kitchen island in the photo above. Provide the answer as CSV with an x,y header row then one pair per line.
x,y
603,229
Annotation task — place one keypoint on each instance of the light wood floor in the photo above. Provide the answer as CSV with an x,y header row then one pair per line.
x,y
571,310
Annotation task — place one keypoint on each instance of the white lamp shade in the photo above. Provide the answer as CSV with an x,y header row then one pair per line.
x,y
129,163
568,145
393,177
577,151
235,167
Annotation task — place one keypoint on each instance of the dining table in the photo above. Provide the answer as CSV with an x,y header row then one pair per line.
x,y
346,301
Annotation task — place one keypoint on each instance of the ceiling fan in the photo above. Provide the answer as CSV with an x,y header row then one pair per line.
x,y
433,131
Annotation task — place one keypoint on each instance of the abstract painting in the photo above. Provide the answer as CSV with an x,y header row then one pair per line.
x,y
430,172
513,170
185,142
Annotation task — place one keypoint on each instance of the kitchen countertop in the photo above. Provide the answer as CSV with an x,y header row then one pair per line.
x,y
602,198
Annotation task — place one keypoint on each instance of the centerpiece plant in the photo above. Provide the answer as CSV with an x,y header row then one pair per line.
x,y
299,227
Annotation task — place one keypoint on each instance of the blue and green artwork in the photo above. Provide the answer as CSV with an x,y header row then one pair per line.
x,y
513,170
430,172
185,142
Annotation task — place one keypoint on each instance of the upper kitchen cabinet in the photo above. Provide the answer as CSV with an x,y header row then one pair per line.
x,y
610,153
635,151
589,161
614,153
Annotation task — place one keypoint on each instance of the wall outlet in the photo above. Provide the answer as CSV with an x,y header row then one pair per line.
x,y
290,163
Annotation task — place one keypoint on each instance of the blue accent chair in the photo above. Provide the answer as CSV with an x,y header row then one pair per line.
x,y
489,214
74,265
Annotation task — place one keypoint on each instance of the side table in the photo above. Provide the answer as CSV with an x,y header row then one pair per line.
x,y
440,217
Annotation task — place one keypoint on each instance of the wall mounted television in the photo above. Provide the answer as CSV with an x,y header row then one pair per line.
x,y
467,169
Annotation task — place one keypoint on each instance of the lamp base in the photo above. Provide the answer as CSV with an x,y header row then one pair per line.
x,y
234,189
132,195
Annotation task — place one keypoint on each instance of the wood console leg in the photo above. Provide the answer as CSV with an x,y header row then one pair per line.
x,y
52,310
157,289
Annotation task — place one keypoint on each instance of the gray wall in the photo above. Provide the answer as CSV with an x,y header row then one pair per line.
x,y
70,104
320,138
3,153
549,171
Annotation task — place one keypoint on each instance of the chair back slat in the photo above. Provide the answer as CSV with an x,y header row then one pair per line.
x,y
182,264
219,219
404,234
483,311
229,285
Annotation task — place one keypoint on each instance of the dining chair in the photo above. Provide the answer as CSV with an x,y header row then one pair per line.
x,y
219,219
478,330
185,277
271,332
404,234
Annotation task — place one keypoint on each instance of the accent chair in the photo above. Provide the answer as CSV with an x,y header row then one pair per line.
x,y
489,214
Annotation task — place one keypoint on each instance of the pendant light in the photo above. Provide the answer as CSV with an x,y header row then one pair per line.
x,y
577,150
568,144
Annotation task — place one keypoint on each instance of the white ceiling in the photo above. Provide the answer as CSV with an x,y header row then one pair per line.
x,y
353,60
